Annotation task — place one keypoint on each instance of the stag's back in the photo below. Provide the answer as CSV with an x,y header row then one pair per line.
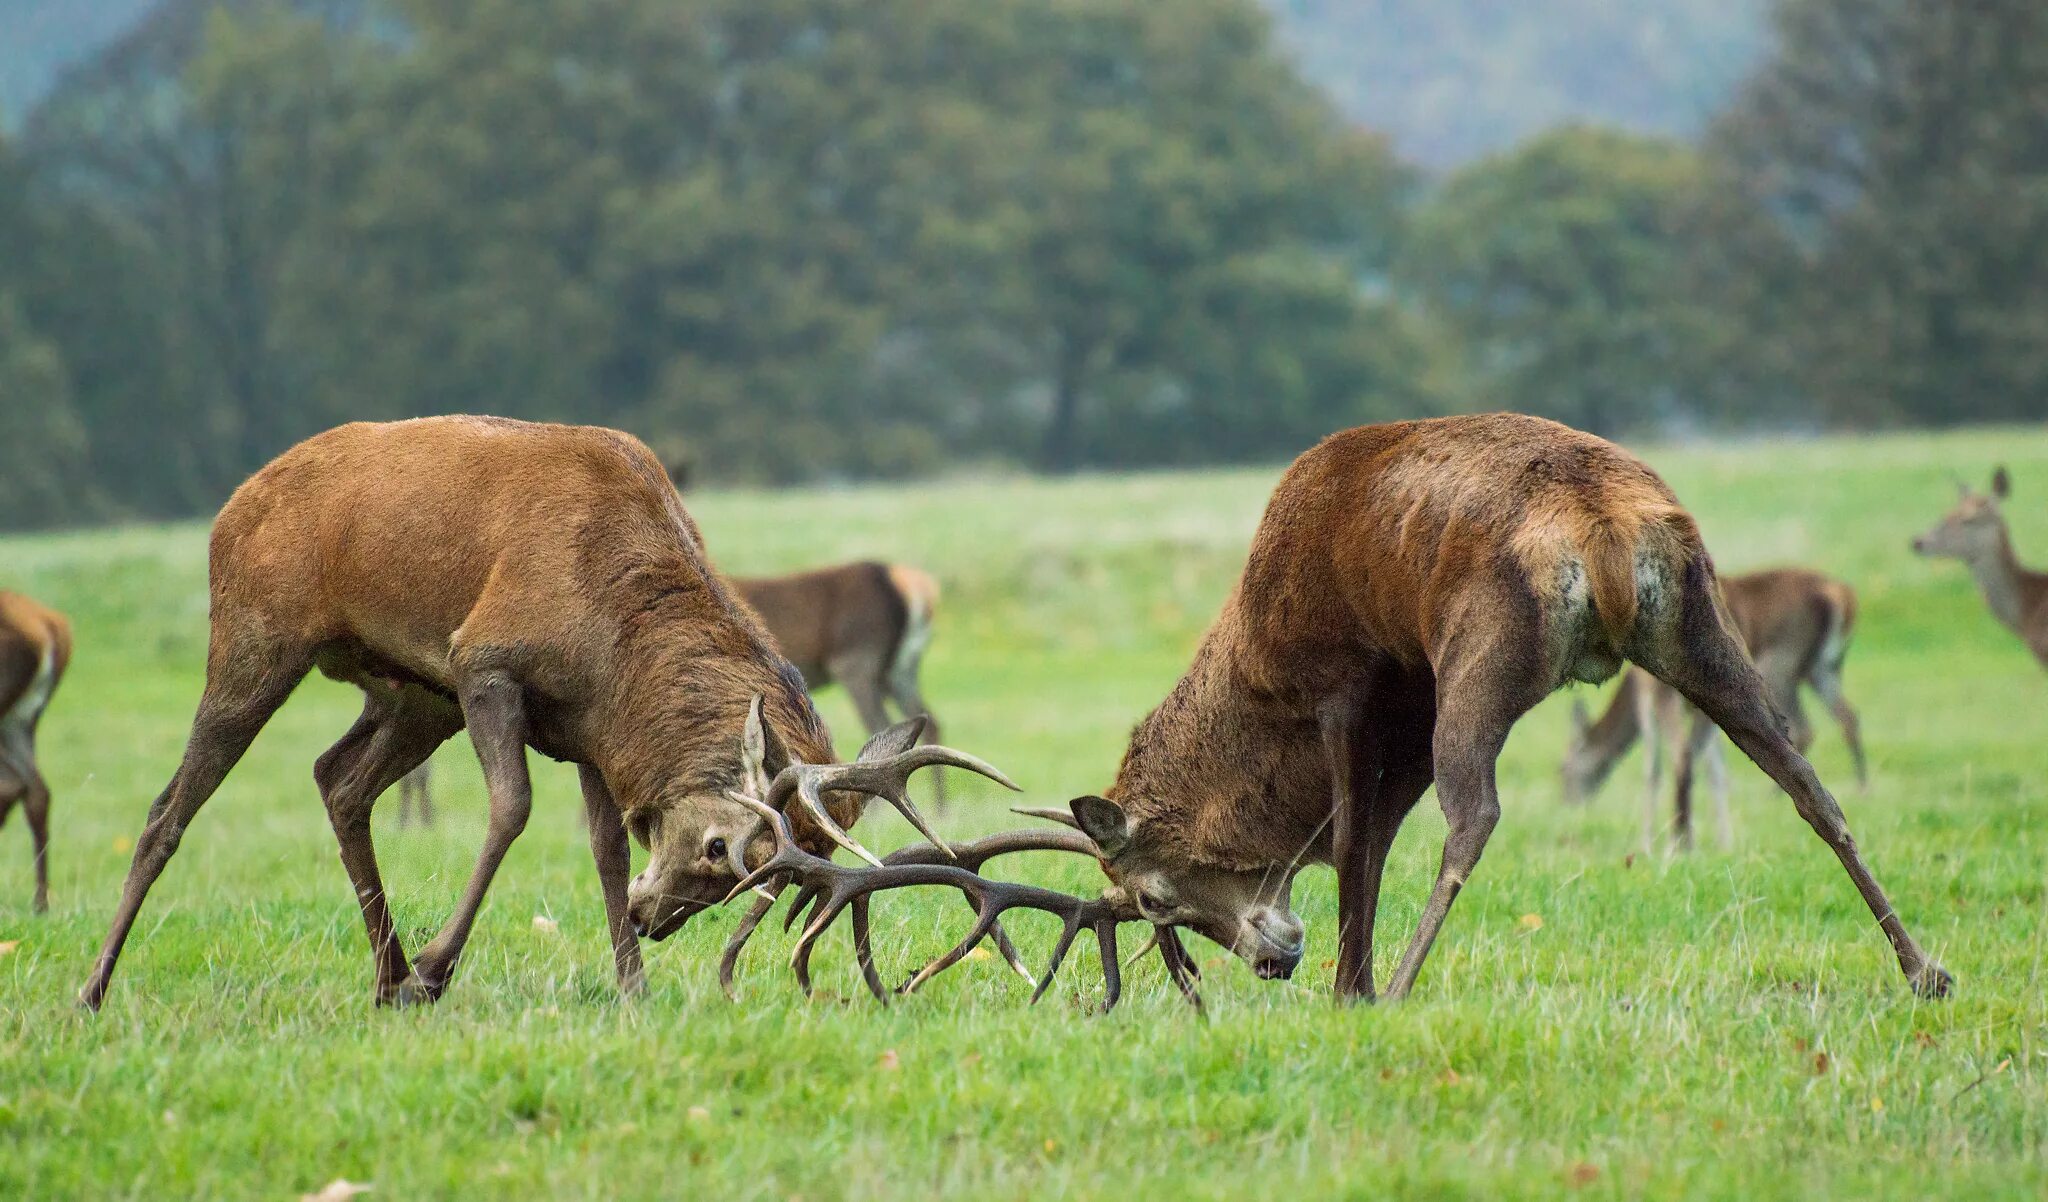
x,y
393,533
1402,535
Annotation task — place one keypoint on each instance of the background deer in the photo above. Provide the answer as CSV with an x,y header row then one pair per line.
x,y
1412,590
540,585
864,625
1797,625
1974,532
35,647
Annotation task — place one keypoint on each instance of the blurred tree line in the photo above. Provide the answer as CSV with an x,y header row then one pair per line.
x,y
800,239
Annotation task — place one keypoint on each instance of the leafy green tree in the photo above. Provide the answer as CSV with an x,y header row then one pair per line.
x,y
1898,144
1566,267
42,442
1143,169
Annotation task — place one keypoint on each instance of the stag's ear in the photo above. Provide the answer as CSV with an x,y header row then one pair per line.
x,y
2001,484
1103,821
893,740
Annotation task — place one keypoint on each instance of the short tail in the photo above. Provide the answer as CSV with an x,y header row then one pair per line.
x,y
920,593
1837,623
1610,555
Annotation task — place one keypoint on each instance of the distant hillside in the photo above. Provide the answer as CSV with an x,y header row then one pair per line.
x,y
1450,79
1455,79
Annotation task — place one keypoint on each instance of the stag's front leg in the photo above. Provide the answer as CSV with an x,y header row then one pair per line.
x,y
614,857
1353,750
494,709
1480,697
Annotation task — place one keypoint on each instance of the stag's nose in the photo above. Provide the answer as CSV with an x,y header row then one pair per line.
x,y
1279,944
639,929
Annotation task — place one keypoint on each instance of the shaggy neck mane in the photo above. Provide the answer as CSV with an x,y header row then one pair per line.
x,y
689,661
1217,773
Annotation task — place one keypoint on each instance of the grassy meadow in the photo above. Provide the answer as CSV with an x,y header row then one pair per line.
x,y
1593,1022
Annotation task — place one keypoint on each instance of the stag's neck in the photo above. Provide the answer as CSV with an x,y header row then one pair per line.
x,y
1234,777
689,663
2007,587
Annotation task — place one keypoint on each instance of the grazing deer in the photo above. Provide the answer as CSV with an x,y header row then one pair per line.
x,y
1797,625
1412,590
540,585
1974,532
865,625
35,647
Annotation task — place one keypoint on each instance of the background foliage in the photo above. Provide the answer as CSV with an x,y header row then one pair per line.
x,y
790,240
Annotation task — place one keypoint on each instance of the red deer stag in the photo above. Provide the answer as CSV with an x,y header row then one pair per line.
x,y
1413,589
1797,625
543,586
35,646
864,625
1974,532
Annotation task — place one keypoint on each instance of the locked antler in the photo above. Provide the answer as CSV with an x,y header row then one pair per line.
x,y
882,770
827,889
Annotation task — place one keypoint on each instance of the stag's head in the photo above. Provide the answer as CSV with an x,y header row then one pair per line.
x,y
1974,530
701,842
1246,911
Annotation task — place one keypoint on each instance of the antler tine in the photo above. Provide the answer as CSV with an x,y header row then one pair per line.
x,y
733,946
974,853
887,778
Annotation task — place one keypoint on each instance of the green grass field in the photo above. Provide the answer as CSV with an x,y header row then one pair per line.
x,y
1591,1023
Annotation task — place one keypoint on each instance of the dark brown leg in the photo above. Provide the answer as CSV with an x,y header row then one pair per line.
x,y
614,857
904,691
388,740
1352,749
242,691
1403,781
862,677
1827,681
494,709
1715,676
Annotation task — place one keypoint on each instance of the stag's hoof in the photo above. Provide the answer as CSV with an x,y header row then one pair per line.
x,y
1933,981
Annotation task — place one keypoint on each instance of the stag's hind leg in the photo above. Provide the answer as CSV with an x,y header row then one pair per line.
x,y
1709,667
244,687
396,733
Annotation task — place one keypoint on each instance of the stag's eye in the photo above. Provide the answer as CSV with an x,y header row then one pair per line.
x,y
1151,903
715,850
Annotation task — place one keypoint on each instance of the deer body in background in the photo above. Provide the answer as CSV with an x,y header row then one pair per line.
x,y
863,625
540,585
1412,590
1797,625
35,648
1974,532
